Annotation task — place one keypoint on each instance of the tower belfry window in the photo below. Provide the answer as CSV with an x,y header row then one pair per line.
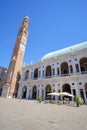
x,y
25,32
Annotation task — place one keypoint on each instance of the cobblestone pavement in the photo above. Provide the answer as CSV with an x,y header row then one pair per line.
x,y
18,114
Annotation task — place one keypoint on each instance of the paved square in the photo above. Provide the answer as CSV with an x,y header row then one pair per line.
x,y
31,115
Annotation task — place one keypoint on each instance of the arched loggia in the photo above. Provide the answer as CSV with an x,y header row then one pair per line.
x,y
48,71
24,92
34,92
48,90
66,88
36,73
83,65
64,68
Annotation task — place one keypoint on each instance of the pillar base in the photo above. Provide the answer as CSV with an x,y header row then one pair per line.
x,y
5,90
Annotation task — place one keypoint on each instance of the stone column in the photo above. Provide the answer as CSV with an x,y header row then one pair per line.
x,y
84,95
40,91
77,90
44,94
74,67
29,75
27,95
41,76
72,91
72,94
56,97
69,69
37,93
56,71
31,93
60,71
61,96
79,67
32,74
44,72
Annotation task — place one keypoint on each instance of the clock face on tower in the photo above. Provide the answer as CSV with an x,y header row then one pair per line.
x,y
22,47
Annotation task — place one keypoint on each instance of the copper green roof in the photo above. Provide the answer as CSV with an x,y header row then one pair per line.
x,y
66,51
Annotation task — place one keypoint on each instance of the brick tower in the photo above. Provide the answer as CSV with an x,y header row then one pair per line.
x,y
10,88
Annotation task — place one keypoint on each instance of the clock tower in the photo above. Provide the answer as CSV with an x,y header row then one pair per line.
x,y
11,86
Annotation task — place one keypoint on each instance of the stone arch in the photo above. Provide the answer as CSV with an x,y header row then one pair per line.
x,y
34,92
83,64
64,68
26,74
66,88
48,89
48,71
36,73
24,92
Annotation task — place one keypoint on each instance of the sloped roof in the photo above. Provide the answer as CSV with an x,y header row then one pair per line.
x,y
66,51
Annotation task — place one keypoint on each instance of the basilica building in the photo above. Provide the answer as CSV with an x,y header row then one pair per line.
x,y
64,70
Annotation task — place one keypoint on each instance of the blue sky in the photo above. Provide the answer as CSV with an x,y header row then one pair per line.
x,y
54,24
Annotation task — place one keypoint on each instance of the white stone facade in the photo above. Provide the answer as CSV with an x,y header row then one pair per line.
x,y
3,73
56,74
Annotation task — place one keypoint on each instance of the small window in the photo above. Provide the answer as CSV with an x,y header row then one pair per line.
x,y
69,60
25,32
80,83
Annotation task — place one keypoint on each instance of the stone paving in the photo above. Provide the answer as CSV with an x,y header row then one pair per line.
x,y
18,114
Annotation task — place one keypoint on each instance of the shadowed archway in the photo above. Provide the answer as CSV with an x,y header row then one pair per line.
x,y
34,92
83,65
66,88
36,73
24,92
48,90
64,68
48,71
